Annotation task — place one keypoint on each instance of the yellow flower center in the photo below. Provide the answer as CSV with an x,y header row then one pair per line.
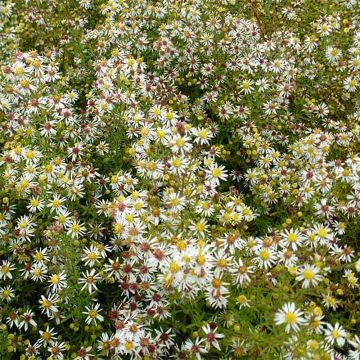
x,y
199,227
19,71
129,345
222,263
290,318
169,116
241,299
216,172
180,142
56,203
5,293
203,133
22,225
292,237
46,336
37,272
160,134
92,256
92,314
200,259
55,279
174,267
322,233
181,245
75,227
264,255
216,283
308,274
34,202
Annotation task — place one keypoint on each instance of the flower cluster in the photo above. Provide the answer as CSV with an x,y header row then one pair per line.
x,y
180,179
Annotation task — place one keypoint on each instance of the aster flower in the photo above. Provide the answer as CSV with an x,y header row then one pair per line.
x,y
290,316
89,279
93,314
309,275
211,337
335,333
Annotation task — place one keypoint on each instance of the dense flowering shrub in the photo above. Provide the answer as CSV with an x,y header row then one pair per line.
x,y
179,179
